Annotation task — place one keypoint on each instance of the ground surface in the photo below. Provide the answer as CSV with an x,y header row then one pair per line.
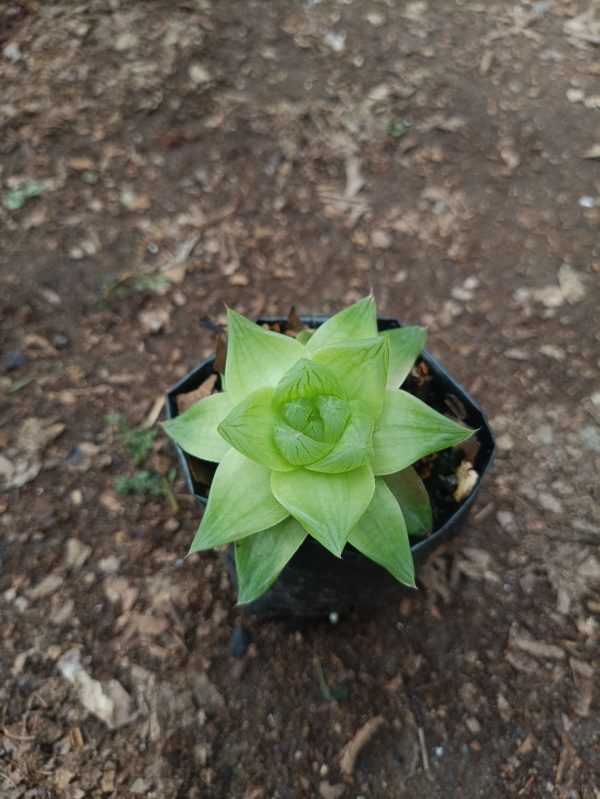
x,y
191,154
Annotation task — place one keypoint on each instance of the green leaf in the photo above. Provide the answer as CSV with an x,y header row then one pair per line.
x,y
334,412
307,379
250,427
361,367
260,558
381,535
408,430
195,430
356,322
327,505
256,358
406,344
413,498
304,336
240,503
354,447
298,448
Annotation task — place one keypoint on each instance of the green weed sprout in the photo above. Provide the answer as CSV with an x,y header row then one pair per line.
x,y
313,437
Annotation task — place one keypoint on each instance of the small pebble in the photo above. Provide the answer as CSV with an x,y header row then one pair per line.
x,y
506,520
239,641
12,359
74,457
545,435
549,503
12,52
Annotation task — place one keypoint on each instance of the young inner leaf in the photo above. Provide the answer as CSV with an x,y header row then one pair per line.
x,y
307,380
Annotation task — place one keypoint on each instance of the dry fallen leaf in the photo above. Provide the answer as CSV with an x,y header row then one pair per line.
x,y
108,701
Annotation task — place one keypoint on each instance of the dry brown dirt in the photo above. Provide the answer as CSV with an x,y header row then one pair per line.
x,y
194,153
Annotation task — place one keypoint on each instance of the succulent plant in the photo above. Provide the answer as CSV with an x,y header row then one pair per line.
x,y
312,436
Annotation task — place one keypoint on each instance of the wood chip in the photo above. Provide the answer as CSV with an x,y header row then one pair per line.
x,y
354,747
583,676
538,649
51,583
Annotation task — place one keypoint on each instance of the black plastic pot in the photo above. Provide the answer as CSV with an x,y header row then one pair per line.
x,y
315,582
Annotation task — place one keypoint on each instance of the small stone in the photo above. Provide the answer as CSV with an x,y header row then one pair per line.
x,y
329,791
109,565
461,294
590,437
505,442
12,359
125,41
59,341
510,156
575,95
155,320
337,41
74,457
139,787
199,74
375,18
239,641
381,240
133,201
545,435
592,101
549,296
473,725
506,520
549,503
12,52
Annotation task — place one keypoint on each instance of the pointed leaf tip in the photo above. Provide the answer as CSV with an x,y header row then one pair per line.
x,y
358,321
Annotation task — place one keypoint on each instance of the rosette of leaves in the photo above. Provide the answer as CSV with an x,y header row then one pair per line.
x,y
312,436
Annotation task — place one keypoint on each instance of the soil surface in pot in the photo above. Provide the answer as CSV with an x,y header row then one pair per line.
x,y
264,155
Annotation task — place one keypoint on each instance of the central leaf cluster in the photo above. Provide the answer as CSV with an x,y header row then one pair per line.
x,y
311,415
